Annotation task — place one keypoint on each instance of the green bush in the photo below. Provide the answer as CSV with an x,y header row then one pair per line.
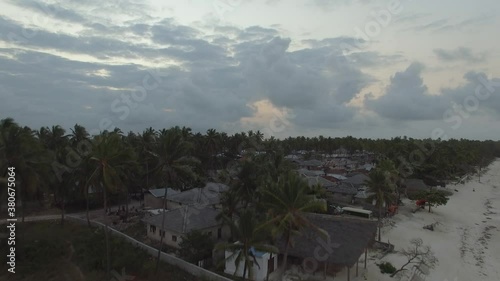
x,y
387,267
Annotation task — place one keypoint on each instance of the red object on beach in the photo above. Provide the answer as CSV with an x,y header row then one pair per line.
x,y
392,210
421,202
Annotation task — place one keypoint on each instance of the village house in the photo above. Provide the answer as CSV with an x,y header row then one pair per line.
x,y
342,193
181,221
311,164
348,241
412,187
361,198
263,265
358,180
153,198
209,196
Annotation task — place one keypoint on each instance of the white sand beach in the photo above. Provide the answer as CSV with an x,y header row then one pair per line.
x,y
467,240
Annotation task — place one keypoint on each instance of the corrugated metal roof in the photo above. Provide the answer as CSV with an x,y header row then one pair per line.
x,y
160,192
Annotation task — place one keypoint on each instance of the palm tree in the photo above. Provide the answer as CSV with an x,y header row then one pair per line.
x,y
393,177
78,134
110,159
250,237
382,193
174,166
230,203
287,202
212,144
21,150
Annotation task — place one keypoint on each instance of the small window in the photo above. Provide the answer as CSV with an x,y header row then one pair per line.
x,y
174,238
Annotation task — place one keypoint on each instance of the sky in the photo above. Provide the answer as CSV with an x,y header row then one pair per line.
x,y
371,69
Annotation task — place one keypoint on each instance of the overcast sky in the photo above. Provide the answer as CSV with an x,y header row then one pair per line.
x,y
374,69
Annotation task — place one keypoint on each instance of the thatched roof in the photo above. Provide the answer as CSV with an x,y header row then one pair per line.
x,y
348,239
415,184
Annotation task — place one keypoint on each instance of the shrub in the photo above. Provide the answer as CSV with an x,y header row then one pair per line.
x,y
387,267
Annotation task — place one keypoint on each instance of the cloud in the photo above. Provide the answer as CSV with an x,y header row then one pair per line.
x,y
407,98
212,83
468,23
446,25
329,5
232,78
477,91
459,54
436,24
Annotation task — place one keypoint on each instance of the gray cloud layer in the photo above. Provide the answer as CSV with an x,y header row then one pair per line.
x,y
210,83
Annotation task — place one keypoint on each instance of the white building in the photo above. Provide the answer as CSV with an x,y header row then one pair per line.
x,y
266,264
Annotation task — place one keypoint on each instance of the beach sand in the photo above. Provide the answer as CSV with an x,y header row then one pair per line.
x,y
467,239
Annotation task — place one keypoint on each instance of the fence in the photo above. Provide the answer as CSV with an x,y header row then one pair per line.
x,y
172,260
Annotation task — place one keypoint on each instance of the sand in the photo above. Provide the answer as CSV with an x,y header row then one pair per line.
x,y
467,239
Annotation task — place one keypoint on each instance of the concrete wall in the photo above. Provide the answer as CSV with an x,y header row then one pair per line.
x,y
152,202
168,239
184,265
171,205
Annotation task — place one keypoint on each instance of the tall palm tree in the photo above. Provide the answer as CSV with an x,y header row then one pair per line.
x,y
382,194
78,134
230,203
250,236
110,159
287,202
212,144
174,166
20,149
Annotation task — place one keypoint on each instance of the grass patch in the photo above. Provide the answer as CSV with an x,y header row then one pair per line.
x,y
387,268
47,251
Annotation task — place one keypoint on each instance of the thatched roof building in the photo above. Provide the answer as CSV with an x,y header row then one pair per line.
x,y
348,237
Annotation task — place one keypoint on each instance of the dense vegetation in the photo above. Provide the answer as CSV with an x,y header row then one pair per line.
x,y
51,161
81,170
48,251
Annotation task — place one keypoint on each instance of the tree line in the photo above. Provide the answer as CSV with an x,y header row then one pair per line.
x,y
266,195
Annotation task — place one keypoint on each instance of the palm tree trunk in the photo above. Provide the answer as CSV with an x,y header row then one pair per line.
x,y
87,211
245,270
162,228
379,223
105,201
108,262
62,211
126,204
285,254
